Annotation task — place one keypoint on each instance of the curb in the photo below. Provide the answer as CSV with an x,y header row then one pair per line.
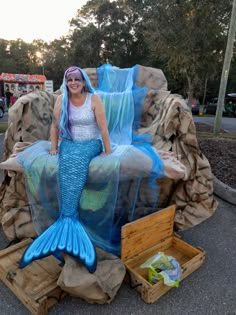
x,y
224,191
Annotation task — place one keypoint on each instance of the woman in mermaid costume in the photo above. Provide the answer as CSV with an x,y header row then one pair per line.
x,y
79,119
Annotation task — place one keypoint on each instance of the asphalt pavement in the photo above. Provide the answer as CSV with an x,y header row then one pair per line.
x,y
5,117
209,290
227,123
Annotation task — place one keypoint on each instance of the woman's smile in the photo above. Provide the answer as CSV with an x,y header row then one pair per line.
x,y
75,84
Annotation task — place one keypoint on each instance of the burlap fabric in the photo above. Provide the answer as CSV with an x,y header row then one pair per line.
x,y
99,287
168,119
165,115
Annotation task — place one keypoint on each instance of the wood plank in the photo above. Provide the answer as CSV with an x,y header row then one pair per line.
x,y
47,286
43,306
150,293
15,247
172,246
6,263
32,278
169,248
185,247
55,296
39,277
138,259
22,296
9,265
193,264
38,281
139,242
164,216
50,264
144,238
146,232
181,257
35,285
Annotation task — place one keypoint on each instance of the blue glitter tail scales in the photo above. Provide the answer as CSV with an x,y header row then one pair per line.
x,y
65,235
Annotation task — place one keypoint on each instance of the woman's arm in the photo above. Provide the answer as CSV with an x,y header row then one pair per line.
x,y
54,131
101,121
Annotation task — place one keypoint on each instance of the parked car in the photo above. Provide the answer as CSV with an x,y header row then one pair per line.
x,y
2,108
211,107
195,106
230,104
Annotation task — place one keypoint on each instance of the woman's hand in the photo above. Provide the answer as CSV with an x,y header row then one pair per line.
x,y
53,152
104,154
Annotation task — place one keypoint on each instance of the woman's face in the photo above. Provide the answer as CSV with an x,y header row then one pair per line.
x,y
75,83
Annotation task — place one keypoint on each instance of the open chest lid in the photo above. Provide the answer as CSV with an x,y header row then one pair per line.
x,y
146,232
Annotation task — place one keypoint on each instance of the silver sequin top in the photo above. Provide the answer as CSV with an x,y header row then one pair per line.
x,y
83,124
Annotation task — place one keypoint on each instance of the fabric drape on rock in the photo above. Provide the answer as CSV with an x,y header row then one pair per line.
x,y
104,207
169,120
164,115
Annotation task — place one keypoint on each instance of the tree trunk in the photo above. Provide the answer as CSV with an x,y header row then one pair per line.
x,y
205,89
190,92
225,70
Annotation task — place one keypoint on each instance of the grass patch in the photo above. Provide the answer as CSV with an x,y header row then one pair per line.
x,y
3,127
221,135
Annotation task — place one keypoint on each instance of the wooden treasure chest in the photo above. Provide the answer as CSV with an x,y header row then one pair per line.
x,y
147,236
35,285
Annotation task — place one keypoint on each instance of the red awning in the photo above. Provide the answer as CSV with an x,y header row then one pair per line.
x,y
22,78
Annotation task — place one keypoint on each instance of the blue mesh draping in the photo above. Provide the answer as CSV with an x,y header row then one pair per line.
x,y
121,187
120,94
119,117
112,79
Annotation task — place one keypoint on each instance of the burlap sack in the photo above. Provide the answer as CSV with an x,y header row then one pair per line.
x,y
99,287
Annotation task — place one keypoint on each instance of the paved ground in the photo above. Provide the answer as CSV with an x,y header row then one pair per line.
x,y
210,290
5,117
227,123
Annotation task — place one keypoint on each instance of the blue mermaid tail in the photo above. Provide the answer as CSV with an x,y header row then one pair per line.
x,y
67,234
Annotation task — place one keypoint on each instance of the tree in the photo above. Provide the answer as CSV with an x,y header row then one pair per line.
x,y
225,70
118,41
187,35
85,46
14,56
57,60
184,38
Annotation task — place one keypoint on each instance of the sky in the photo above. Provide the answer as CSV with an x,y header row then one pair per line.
x,y
43,19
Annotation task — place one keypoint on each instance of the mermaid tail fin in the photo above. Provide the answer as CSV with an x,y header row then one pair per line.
x,y
65,235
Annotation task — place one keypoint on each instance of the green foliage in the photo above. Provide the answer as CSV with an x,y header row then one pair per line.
x,y
85,46
184,38
16,56
189,37
56,60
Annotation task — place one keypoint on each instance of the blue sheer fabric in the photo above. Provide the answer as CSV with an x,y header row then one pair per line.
x,y
122,186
